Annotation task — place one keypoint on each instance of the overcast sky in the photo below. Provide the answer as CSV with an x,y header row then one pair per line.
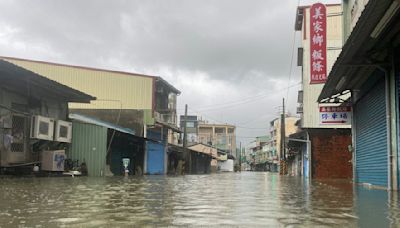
x,y
230,58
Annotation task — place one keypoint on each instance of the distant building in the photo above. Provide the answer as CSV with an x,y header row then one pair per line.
x,y
191,128
274,153
221,136
260,153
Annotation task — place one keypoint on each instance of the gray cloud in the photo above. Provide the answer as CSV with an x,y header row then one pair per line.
x,y
214,51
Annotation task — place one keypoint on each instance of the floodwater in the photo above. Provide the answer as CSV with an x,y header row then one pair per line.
x,y
247,199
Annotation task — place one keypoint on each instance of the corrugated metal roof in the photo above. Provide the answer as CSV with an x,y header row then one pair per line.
x,y
113,90
21,75
91,120
133,91
205,149
355,54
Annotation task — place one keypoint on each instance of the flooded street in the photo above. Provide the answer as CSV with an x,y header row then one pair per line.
x,y
245,199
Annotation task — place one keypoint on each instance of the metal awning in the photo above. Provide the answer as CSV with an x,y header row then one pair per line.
x,y
165,83
292,139
91,120
363,51
13,76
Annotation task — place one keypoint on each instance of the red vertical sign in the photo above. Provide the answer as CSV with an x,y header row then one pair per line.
x,y
318,43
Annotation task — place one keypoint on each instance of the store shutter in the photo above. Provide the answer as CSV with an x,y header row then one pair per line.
x,y
371,137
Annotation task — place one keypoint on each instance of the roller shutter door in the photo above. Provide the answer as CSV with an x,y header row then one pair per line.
x,y
371,137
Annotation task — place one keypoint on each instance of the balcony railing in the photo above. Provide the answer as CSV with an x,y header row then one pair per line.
x,y
166,118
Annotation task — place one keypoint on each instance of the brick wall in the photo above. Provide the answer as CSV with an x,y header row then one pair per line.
x,y
330,155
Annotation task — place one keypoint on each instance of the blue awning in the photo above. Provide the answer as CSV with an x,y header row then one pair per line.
x,y
91,120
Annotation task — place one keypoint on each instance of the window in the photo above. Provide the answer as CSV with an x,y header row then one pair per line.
x,y
300,57
219,130
190,124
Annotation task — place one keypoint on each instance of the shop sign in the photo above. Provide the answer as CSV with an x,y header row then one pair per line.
x,y
335,115
318,43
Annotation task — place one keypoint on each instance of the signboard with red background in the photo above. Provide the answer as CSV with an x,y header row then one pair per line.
x,y
318,43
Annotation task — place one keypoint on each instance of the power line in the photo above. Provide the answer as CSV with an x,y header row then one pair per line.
x,y
221,122
291,57
237,102
247,137
252,128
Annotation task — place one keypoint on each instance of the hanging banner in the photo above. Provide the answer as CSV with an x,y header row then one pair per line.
x,y
337,115
318,43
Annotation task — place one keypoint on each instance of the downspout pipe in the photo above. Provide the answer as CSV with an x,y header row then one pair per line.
x,y
354,95
309,156
389,126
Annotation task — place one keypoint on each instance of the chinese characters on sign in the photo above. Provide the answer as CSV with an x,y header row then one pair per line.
x,y
335,115
318,43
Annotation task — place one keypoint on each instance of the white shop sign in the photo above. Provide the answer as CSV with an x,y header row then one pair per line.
x,y
334,115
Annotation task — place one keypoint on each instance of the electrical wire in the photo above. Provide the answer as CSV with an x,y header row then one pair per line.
x,y
221,122
291,58
238,102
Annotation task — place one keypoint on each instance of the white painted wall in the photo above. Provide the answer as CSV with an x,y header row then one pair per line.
x,y
225,166
311,92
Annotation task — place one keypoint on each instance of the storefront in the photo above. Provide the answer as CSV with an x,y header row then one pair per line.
x,y
368,66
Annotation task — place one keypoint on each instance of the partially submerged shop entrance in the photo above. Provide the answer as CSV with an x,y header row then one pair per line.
x,y
102,146
122,145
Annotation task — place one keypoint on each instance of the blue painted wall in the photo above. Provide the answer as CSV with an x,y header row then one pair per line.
x,y
371,137
155,158
305,161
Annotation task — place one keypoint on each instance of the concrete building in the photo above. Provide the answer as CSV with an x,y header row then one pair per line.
x,y
260,153
191,128
368,66
221,136
275,134
143,103
321,148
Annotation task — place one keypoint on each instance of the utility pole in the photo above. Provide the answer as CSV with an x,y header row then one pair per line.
x,y
283,125
283,135
184,128
188,156
240,156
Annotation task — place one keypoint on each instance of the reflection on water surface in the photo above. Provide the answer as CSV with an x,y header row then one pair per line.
x,y
232,199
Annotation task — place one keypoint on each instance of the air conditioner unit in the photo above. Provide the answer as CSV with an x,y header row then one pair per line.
x,y
42,128
63,131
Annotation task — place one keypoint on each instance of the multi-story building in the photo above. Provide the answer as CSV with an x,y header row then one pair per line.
x,y
191,128
274,153
320,28
260,153
143,103
368,66
221,136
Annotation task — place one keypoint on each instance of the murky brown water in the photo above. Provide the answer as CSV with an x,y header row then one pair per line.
x,y
245,199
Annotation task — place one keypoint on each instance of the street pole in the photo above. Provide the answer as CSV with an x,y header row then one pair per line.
x,y
283,153
240,156
283,130
188,156
184,128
